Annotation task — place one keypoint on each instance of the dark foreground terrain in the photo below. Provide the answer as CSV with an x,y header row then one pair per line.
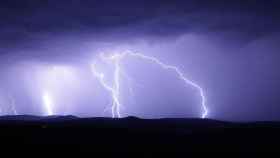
x,y
69,134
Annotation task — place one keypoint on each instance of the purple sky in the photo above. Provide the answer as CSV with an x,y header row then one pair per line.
x,y
231,49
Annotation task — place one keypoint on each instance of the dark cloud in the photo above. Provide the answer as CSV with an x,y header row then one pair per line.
x,y
23,19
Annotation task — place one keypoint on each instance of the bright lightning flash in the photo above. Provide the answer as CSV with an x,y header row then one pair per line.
x,y
116,59
48,103
55,79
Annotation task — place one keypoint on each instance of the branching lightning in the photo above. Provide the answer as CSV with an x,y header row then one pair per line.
x,y
116,59
114,87
114,90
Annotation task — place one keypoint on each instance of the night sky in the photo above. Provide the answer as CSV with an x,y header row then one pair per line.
x,y
230,48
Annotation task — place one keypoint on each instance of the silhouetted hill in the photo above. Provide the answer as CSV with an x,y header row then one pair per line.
x,y
73,134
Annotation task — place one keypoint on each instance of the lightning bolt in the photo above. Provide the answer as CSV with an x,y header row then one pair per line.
x,y
116,59
114,90
48,103
46,97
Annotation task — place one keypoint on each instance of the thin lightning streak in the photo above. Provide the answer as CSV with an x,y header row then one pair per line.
x,y
117,86
112,90
180,75
115,90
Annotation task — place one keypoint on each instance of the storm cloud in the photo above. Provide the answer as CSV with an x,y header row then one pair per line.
x,y
229,47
